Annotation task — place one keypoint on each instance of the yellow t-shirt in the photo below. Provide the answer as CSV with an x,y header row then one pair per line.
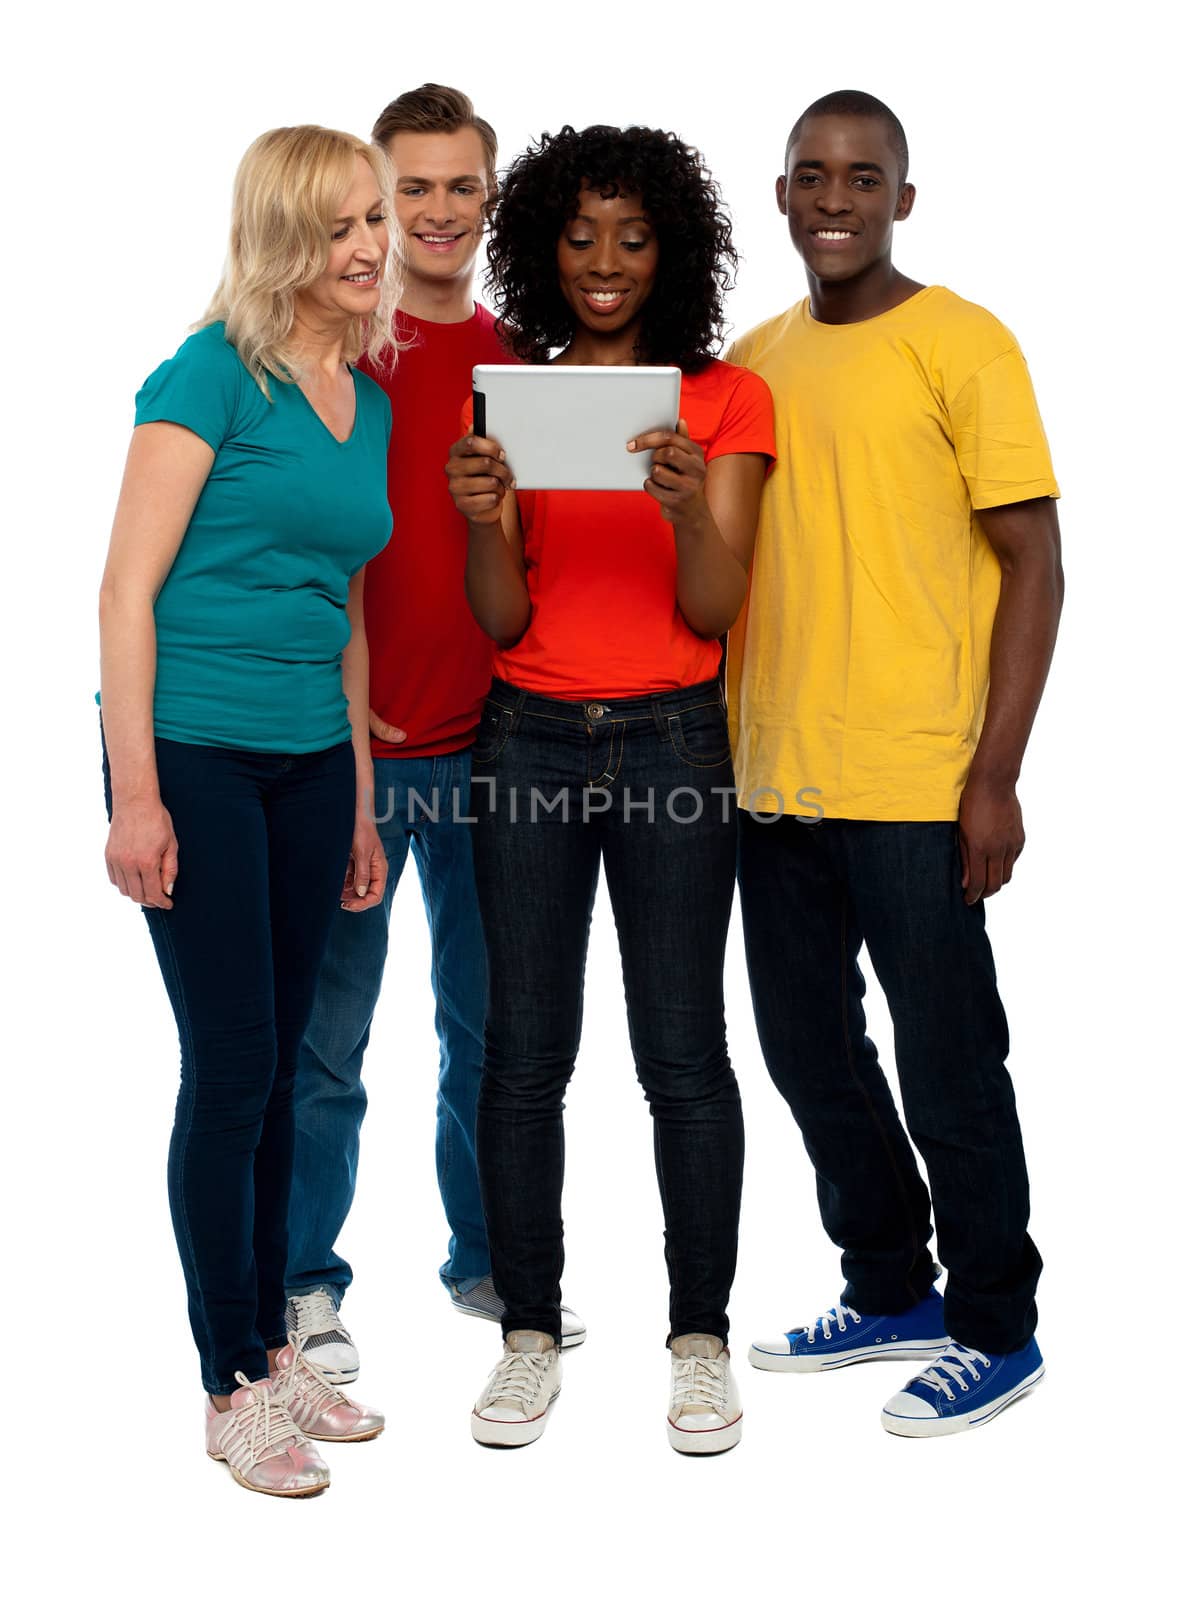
x,y
858,670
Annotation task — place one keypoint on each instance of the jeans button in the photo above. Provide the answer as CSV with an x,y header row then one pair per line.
x,y
595,710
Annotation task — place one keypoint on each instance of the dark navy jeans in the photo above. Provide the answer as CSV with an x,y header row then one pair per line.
x,y
812,893
264,842
422,805
643,786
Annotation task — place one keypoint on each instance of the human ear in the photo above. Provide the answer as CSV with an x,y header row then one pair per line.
x,y
904,202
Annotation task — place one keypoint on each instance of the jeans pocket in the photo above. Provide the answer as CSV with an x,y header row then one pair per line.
x,y
495,726
700,735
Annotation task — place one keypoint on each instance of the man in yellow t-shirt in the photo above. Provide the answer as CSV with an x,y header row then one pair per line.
x,y
883,681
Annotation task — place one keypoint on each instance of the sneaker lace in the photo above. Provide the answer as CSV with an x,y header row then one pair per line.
x,y
951,1367
303,1382
822,1324
315,1313
260,1431
698,1381
517,1378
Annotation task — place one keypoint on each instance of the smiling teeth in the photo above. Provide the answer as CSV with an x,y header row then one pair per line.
x,y
602,295
438,238
360,277
834,233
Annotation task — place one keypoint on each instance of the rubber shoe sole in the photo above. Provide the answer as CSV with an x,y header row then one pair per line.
x,y
710,1442
510,1435
336,1375
344,1438
896,1350
931,1427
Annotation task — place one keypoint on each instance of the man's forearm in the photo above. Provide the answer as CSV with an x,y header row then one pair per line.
x,y
1022,642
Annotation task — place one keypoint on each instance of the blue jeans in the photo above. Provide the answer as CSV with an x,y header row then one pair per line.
x,y
811,895
417,801
264,843
643,787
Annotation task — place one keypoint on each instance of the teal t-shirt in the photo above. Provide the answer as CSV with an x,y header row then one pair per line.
x,y
251,621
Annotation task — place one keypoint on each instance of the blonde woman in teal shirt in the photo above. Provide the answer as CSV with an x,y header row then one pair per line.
x,y
235,721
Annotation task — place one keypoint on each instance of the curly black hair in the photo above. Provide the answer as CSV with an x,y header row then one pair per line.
x,y
683,321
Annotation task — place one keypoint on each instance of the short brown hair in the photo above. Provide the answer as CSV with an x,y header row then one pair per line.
x,y
435,109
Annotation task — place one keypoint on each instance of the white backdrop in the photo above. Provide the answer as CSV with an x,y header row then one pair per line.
x,y
1044,190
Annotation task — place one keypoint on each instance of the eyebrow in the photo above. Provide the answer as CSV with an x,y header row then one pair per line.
x,y
623,222
425,183
856,166
368,211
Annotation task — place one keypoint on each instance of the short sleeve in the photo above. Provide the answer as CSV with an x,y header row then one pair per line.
x,y
998,436
199,388
747,422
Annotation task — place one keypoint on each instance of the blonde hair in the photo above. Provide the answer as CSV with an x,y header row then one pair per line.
x,y
286,196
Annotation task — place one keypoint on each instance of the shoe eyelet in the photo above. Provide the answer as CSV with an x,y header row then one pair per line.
x,y
879,1340
827,1336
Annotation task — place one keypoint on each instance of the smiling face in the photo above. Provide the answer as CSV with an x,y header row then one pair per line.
x,y
841,195
442,184
350,284
607,256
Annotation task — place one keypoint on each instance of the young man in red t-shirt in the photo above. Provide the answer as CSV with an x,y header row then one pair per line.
x,y
430,666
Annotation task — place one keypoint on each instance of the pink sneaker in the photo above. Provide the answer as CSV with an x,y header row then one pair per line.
x,y
318,1408
258,1440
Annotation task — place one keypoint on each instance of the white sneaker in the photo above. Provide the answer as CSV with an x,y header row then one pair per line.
x,y
482,1301
704,1416
314,1324
514,1406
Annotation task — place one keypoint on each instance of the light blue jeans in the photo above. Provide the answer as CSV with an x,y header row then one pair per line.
x,y
417,802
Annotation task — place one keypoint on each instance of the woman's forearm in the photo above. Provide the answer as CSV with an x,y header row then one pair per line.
x,y
354,668
127,633
710,580
497,590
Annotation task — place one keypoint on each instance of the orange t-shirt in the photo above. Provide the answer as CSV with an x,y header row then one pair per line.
x,y
601,566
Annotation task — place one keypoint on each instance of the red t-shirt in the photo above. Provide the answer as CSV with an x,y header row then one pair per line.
x,y
601,566
429,660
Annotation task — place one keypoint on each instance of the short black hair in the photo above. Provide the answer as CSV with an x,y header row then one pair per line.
x,y
855,103
683,321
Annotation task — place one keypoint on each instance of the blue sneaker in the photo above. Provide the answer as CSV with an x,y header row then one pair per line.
x,y
841,1337
962,1389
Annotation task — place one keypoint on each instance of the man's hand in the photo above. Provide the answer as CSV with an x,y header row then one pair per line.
x,y
364,881
677,471
990,836
385,730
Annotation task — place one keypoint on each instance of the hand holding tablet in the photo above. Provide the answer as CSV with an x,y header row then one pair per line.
x,y
676,478
479,477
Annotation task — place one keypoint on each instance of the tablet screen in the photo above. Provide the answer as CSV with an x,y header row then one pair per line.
x,y
567,427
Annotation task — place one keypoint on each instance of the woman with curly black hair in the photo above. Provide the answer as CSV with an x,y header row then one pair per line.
x,y
604,738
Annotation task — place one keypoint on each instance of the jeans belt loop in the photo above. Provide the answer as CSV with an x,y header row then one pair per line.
x,y
660,716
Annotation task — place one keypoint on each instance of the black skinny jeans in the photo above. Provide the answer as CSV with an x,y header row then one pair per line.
x,y
264,842
645,787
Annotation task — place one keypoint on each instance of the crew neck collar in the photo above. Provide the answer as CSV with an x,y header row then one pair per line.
x,y
426,322
866,322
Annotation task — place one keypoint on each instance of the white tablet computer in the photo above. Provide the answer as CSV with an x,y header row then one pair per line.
x,y
567,427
